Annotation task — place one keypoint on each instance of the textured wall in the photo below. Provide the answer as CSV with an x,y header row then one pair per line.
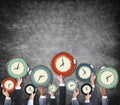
x,y
36,31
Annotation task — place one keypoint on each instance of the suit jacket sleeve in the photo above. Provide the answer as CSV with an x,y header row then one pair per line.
x,y
42,100
62,95
75,102
18,97
53,101
105,100
7,102
94,96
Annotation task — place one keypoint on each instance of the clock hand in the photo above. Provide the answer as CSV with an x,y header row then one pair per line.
x,y
40,77
17,66
71,85
108,77
9,85
62,62
30,89
87,89
51,88
84,71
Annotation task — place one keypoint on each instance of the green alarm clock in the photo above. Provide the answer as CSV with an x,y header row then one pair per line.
x,y
53,88
107,77
71,85
17,68
40,76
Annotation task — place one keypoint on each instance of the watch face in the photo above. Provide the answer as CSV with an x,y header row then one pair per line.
x,y
107,78
29,89
71,85
63,63
9,84
41,76
17,67
84,71
86,88
53,87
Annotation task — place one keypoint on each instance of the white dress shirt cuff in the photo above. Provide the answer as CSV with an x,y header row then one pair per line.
x,y
74,98
52,97
42,96
8,98
17,87
62,84
87,101
104,97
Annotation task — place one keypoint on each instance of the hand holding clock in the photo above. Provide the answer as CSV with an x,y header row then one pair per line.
x,y
19,81
5,93
103,91
88,96
75,93
92,79
61,80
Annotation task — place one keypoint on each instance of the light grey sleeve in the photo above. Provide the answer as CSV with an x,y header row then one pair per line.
x,y
30,102
42,100
105,100
75,102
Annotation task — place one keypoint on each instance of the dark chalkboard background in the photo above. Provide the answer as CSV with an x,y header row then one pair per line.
x,y
36,30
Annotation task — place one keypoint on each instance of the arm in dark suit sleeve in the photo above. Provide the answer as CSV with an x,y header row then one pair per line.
x,y
94,96
62,95
18,96
75,101
7,101
53,101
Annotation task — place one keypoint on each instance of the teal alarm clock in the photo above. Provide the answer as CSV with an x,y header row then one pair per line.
x,y
40,76
108,77
17,68
84,71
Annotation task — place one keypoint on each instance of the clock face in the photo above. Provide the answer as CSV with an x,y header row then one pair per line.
x,y
84,71
40,76
63,63
107,78
17,67
86,88
29,89
71,85
53,87
9,84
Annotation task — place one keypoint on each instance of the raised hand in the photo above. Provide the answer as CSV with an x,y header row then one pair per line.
x,y
92,79
88,96
51,93
103,91
5,93
32,96
75,93
41,90
19,81
60,78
